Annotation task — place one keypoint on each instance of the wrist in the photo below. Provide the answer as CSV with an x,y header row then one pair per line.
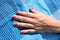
x,y
50,21
55,25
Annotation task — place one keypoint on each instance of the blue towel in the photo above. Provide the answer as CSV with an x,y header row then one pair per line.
x,y
10,7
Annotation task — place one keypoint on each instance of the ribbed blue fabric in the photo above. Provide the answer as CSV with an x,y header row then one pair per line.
x,y
10,7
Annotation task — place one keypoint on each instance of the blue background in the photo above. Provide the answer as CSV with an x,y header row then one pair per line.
x,y
10,7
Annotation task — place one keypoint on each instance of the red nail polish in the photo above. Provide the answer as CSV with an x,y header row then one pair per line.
x,y
13,17
22,32
15,24
18,13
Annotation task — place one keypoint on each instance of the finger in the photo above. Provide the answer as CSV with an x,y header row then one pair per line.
x,y
27,14
24,19
28,31
39,29
33,10
25,25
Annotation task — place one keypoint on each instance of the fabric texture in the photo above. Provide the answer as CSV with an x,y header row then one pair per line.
x,y
10,7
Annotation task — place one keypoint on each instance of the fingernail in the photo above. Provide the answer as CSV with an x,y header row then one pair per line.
x,y
22,32
15,24
18,13
13,17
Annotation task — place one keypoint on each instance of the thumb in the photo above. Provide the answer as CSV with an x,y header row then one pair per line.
x,y
28,31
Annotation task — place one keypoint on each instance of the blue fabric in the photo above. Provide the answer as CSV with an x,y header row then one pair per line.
x,y
9,7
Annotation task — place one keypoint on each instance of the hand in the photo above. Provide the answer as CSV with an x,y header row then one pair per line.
x,y
35,21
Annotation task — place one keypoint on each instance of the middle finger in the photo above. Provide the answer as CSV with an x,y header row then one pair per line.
x,y
24,19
